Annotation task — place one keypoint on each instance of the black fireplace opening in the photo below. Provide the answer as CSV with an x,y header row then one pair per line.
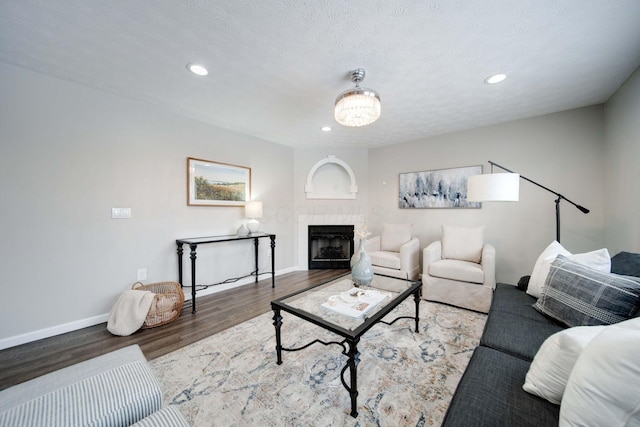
x,y
330,246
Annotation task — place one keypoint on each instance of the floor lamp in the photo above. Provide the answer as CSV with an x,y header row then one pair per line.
x,y
495,187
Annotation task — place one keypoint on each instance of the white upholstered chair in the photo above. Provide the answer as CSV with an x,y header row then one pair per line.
x,y
460,269
395,252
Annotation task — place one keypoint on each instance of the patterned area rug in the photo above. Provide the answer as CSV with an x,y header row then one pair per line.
x,y
404,378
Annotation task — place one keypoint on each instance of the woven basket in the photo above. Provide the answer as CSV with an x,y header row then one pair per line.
x,y
167,304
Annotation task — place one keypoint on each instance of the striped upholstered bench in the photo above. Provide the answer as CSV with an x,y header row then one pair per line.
x,y
116,389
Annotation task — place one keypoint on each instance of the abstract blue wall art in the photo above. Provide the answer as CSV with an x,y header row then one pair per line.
x,y
441,188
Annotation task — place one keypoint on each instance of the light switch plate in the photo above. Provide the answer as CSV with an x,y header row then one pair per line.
x,y
120,213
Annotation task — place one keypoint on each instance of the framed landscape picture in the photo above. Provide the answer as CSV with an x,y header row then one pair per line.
x,y
442,188
217,184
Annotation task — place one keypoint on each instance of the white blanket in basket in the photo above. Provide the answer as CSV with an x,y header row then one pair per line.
x,y
129,312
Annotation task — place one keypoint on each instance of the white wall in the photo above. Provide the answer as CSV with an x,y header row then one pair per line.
x,y
69,154
622,136
562,151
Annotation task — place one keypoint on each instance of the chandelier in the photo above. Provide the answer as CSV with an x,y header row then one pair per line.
x,y
358,106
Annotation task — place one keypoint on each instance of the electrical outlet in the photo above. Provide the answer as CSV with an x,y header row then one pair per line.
x,y
120,213
142,274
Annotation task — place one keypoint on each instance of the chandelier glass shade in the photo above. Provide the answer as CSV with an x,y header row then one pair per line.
x,y
358,106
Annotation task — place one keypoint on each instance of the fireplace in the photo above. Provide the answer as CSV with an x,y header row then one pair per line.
x,y
330,246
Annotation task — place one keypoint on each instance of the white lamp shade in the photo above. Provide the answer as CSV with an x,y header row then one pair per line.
x,y
494,187
253,209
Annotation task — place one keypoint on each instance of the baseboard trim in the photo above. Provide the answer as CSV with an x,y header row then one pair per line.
x,y
103,318
52,331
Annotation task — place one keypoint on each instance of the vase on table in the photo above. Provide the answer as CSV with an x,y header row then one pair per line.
x,y
362,270
242,231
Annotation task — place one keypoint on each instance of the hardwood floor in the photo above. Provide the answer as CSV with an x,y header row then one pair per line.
x,y
215,313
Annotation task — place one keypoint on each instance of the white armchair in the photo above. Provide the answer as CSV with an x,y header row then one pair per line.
x,y
395,252
460,269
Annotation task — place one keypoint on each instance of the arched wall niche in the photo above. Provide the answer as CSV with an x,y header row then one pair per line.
x,y
331,178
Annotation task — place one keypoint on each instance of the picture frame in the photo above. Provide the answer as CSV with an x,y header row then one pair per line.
x,y
212,183
437,189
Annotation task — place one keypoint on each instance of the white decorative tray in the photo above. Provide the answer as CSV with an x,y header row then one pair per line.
x,y
355,302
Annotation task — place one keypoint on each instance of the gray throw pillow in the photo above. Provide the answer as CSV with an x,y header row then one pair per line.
x,y
577,295
626,263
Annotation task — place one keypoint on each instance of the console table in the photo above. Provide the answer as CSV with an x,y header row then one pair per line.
x,y
193,243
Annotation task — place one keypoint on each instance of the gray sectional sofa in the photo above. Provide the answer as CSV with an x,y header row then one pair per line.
x,y
115,389
490,391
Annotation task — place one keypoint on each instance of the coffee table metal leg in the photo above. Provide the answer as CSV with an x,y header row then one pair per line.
x,y
352,365
277,322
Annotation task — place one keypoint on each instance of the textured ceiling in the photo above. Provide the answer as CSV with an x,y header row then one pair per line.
x,y
277,66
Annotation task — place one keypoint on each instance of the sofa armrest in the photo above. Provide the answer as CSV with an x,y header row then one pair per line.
x,y
430,254
169,416
86,391
488,262
410,255
53,381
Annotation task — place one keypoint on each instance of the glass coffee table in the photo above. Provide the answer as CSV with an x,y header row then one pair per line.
x,y
348,311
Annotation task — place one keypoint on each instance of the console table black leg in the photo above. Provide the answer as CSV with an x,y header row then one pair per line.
x,y
277,322
256,243
416,297
273,261
193,277
180,252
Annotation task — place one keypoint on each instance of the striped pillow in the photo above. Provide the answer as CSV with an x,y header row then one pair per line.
x,y
577,295
168,416
117,397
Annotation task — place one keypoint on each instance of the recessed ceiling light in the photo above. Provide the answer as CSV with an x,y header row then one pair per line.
x,y
326,129
496,78
197,69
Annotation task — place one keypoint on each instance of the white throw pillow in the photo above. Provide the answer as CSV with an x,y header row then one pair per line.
x,y
462,243
549,372
542,266
393,236
604,386
598,260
